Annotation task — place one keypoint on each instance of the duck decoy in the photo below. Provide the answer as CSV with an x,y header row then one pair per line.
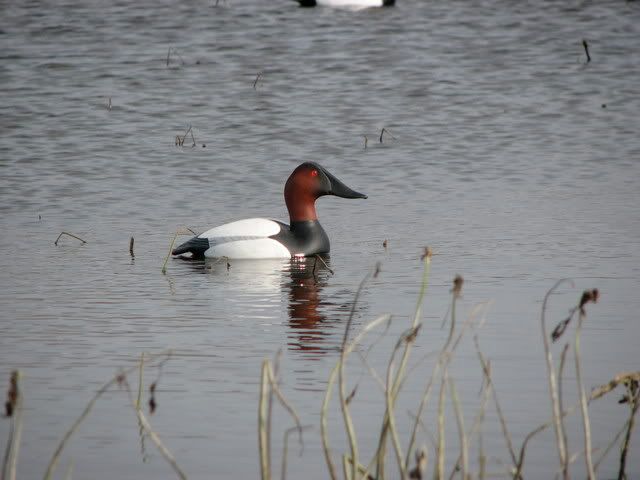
x,y
255,238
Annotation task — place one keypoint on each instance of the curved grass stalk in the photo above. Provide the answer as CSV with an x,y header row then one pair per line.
x,y
407,337
332,378
443,359
56,455
464,448
263,413
583,403
503,423
438,473
399,378
553,385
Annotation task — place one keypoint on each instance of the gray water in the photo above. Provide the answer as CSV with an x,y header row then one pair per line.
x,y
516,160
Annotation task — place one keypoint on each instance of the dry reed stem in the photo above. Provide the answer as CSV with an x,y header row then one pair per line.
x,y
622,377
443,359
407,337
117,378
399,379
583,402
276,371
285,448
323,425
563,358
503,423
269,385
464,444
69,473
633,399
332,377
70,235
478,420
596,394
283,401
372,371
553,385
146,426
438,473
15,411
173,241
140,382
606,451
351,435
263,412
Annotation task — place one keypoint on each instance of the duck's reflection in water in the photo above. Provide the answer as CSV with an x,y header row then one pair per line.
x,y
309,330
301,282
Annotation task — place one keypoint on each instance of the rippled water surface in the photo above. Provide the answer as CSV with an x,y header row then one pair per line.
x,y
512,157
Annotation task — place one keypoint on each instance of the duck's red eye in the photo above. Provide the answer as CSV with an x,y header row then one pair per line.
x,y
314,173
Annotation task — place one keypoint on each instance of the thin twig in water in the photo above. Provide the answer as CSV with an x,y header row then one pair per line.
x,y
131,241
164,265
586,50
324,263
70,235
176,52
383,131
255,83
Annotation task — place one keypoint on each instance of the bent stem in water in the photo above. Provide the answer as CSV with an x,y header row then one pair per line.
x,y
400,375
58,452
553,386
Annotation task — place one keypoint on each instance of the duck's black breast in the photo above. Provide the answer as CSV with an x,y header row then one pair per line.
x,y
303,238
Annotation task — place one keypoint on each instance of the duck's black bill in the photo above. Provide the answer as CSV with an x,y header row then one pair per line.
x,y
339,189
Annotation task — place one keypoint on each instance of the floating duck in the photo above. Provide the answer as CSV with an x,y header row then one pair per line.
x,y
264,238
357,4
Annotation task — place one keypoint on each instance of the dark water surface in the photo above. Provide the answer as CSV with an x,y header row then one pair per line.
x,y
513,158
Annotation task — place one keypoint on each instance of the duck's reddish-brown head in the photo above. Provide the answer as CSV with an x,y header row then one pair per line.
x,y
306,184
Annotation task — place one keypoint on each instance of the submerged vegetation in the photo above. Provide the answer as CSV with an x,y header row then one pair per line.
x,y
394,456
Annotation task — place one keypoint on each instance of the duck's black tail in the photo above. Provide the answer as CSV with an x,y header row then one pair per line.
x,y
196,246
306,3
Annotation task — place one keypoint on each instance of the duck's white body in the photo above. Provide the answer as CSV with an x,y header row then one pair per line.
x,y
247,238
350,4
